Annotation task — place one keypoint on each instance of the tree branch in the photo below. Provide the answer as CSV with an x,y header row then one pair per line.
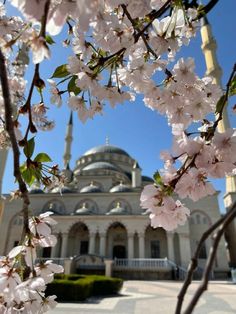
x,y
217,236
9,123
194,263
207,8
136,28
153,15
36,81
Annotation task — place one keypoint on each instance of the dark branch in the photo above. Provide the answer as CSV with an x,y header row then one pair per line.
x,y
36,81
207,8
153,15
217,236
194,263
9,123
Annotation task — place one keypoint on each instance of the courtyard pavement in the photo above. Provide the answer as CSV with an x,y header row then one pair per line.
x,y
155,297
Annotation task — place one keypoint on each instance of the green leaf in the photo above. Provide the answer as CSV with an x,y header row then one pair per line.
x,y
157,178
29,148
232,88
60,71
220,104
42,157
72,86
28,176
49,40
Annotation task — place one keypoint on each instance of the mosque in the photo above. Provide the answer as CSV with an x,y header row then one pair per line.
x,y
99,212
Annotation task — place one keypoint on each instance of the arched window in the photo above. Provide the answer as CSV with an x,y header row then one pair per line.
x,y
198,219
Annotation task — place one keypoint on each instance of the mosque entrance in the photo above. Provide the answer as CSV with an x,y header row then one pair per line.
x,y
119,251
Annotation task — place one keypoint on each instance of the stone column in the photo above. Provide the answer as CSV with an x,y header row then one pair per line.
x,y
64,244
141,245
102,249
130,245
92,237
185,249
108,267
170,246
67,266
54,250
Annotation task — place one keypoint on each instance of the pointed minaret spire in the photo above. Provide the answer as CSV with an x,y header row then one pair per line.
x,y
68,142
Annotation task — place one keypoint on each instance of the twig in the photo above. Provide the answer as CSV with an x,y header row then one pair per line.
x,y
194,263
207,8
36,77
153,15
44,19
136,28
9,123
217,236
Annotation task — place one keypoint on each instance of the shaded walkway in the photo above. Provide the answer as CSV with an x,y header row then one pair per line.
x,y
138,297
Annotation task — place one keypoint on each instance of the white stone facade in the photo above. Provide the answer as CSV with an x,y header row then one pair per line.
x,y
99,213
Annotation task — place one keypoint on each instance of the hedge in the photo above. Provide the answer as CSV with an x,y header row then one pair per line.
x,y
105,285
72,288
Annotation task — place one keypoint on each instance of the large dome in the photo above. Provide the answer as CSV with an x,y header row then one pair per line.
x,y
106,149
100,165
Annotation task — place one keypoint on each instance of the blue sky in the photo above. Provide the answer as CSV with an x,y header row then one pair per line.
x,y
133,127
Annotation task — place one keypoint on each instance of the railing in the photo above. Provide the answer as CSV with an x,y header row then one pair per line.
x,y
150,264
180,272
142,263
158,264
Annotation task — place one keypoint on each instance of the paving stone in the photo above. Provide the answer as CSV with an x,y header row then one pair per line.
x,y
156,297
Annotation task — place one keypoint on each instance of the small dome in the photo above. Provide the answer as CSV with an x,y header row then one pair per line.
x,y
120,188
100,165
83,210
106,149
117,210
36,191
63,190
91,189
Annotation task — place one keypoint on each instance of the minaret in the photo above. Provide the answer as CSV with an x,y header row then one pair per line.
x,y
67,155
213,69
68,141
136,176
209,47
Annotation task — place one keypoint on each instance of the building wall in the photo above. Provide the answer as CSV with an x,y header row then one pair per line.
x,y
128,235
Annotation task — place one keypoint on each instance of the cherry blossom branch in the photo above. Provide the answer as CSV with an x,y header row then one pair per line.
x,y
36,81
9,123
194,263
44,19
153,15
207,8
27,106
136,28
228,218
208,135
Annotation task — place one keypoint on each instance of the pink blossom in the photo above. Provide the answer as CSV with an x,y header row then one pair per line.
x,y
193,184
164,211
